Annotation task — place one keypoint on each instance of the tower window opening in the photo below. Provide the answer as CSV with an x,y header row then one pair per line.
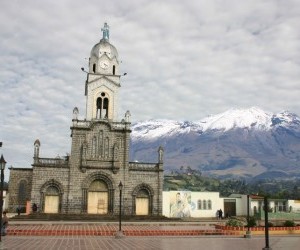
x,y
114,70
102,105
105,107
99,107
94,67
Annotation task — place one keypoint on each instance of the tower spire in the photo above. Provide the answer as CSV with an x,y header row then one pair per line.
x,y
105,31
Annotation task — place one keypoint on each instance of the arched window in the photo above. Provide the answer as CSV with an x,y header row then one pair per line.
x,y
22,193
100,143
114,70
106,147
199,204
209,204
94,146
204,205
94,67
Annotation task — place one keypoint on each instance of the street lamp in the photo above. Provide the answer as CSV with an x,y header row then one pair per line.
x,y
120,233
267,247
2,166
248,232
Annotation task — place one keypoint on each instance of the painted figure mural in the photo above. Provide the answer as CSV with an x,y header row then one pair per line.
x,y
181,204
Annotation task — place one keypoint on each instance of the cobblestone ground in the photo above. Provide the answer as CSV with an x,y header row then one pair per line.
x,y
145,243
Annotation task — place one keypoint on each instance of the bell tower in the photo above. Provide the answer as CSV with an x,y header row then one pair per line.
x,y
103,80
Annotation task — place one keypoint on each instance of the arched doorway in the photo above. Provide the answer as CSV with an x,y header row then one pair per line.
x,y
142,198
51,200
51,197
142,202
97,198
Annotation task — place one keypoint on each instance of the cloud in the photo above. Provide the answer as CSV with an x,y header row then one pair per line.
x,y
184,60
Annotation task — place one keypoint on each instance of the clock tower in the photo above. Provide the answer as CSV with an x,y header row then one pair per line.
x,y
103,80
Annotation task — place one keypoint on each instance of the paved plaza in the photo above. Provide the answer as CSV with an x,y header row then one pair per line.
x,y
138,235
145,243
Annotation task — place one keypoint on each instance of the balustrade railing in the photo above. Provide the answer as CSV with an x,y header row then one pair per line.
x,y
52,161
86,124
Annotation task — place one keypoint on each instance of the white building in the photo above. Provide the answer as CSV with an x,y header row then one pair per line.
x,y
180,204
294,205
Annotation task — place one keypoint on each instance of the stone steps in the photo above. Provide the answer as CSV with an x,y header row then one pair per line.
x,y
87,217
78,232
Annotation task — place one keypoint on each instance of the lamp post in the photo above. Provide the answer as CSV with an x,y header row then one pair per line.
x,y
2,166
267,247
119,234
248,232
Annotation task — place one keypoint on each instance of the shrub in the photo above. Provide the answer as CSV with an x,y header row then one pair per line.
x,y
270,224
289,223
252,222
234,223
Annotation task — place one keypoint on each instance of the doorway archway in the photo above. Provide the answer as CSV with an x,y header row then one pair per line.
x,y
142,198
98,198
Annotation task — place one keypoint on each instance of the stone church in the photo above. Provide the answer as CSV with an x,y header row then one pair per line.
x,y
87,181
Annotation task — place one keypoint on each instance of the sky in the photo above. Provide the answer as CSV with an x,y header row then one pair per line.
x,y
184,60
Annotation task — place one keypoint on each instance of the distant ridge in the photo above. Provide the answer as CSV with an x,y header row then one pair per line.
x,y
248,143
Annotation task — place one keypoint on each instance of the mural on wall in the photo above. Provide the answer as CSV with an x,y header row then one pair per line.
x,y
181,204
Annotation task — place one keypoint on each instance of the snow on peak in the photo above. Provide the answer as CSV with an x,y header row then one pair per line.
x,y
238,118
285,118
156,128
252,118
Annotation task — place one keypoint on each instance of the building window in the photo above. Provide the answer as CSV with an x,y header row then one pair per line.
x,y
94,67
114,70
209,204
199,204
204,204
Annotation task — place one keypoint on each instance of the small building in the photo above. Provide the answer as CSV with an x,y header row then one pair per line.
x,y
181,204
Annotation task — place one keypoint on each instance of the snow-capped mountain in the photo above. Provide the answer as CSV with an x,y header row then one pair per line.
x,y
238,118
238,142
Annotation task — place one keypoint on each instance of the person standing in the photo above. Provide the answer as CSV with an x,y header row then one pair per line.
x,y
4,224
220,214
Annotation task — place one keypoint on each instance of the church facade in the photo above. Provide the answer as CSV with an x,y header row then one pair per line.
x,y
88,180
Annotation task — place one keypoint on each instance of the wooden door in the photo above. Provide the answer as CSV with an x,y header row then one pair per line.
x,y
97,202
51,204
142,206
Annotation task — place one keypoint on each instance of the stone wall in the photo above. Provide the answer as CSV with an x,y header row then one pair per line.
x,y
18,175
45,176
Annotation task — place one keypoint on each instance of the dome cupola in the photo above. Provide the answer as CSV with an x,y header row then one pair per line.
x,y
103,53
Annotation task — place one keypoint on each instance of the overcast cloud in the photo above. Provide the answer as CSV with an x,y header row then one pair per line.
x,y
184,59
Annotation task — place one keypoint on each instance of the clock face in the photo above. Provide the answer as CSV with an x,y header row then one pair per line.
x,y
104,64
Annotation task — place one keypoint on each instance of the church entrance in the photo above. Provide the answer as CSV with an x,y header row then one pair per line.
x,y
142,203
98,198
51,200
51,204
